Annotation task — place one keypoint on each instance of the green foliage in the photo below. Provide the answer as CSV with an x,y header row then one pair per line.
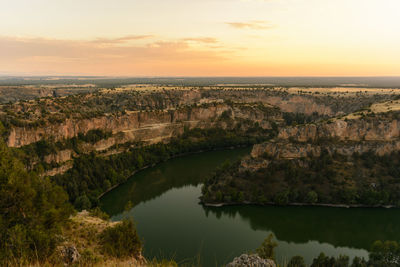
x,y
359,262
93,136
82,203
311,197
32,211
296,261
323,261
97,212
121,241
267,248
327,179
282,198
385,254
300,118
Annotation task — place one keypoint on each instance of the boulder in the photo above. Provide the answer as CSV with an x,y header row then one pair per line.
x,y
69,254
252,260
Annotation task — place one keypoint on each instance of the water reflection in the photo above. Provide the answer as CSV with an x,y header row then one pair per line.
x,y
174,225
357,228
176,173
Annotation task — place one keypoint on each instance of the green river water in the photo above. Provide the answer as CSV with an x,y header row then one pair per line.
x,y
174,225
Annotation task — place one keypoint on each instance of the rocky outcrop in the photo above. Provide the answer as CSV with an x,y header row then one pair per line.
x,y
300,104
252,260
59,170
59,157
287,150
353,130
378,135
21,136
148,126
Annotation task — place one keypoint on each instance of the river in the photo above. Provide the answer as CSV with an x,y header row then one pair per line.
x,y
164,203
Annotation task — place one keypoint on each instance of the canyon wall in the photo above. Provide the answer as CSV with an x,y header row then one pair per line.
x,y
155,109
287,150
373,129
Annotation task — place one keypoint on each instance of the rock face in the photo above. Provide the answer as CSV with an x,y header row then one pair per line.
x,y
151,110
60,157
148,126
252,260
355,130
287,150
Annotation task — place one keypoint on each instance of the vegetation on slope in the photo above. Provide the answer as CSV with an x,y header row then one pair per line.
x,y
35,223
32,212
365,179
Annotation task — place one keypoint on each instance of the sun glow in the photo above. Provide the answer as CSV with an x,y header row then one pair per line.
x,y
200,38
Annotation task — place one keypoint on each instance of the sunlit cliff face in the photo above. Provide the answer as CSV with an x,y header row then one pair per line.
x,y
200,38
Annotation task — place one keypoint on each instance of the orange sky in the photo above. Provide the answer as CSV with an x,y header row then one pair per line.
x,y
200,38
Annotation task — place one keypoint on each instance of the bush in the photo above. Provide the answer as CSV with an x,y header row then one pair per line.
x,y
267,248
121,241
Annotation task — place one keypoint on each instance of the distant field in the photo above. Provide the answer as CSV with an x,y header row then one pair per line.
x,y
368,82
28,88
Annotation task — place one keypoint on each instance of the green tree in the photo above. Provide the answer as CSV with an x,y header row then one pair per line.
x,y
296,261
311,197
83,203
323,261
106,185
384,254
267,248
359,262
282,198
32,210
342,261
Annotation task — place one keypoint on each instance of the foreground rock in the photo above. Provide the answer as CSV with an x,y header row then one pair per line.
x,y
70,254
251,260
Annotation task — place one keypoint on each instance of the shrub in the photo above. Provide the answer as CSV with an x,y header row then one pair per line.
x,y
267,248
121,241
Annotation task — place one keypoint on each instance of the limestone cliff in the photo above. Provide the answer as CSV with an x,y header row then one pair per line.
x,y
287,150
147,126
376,129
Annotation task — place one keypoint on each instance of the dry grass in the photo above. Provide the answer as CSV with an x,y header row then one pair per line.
x,y
343,91
82,232
383,107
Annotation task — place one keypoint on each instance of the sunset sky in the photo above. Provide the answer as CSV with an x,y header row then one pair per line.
x,y
200,37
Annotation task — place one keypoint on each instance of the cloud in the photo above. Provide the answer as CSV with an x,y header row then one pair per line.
x,y
42,55
253,24
122,39
207,40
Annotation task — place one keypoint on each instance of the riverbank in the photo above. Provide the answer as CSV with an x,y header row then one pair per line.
x,y
222,204
172,157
